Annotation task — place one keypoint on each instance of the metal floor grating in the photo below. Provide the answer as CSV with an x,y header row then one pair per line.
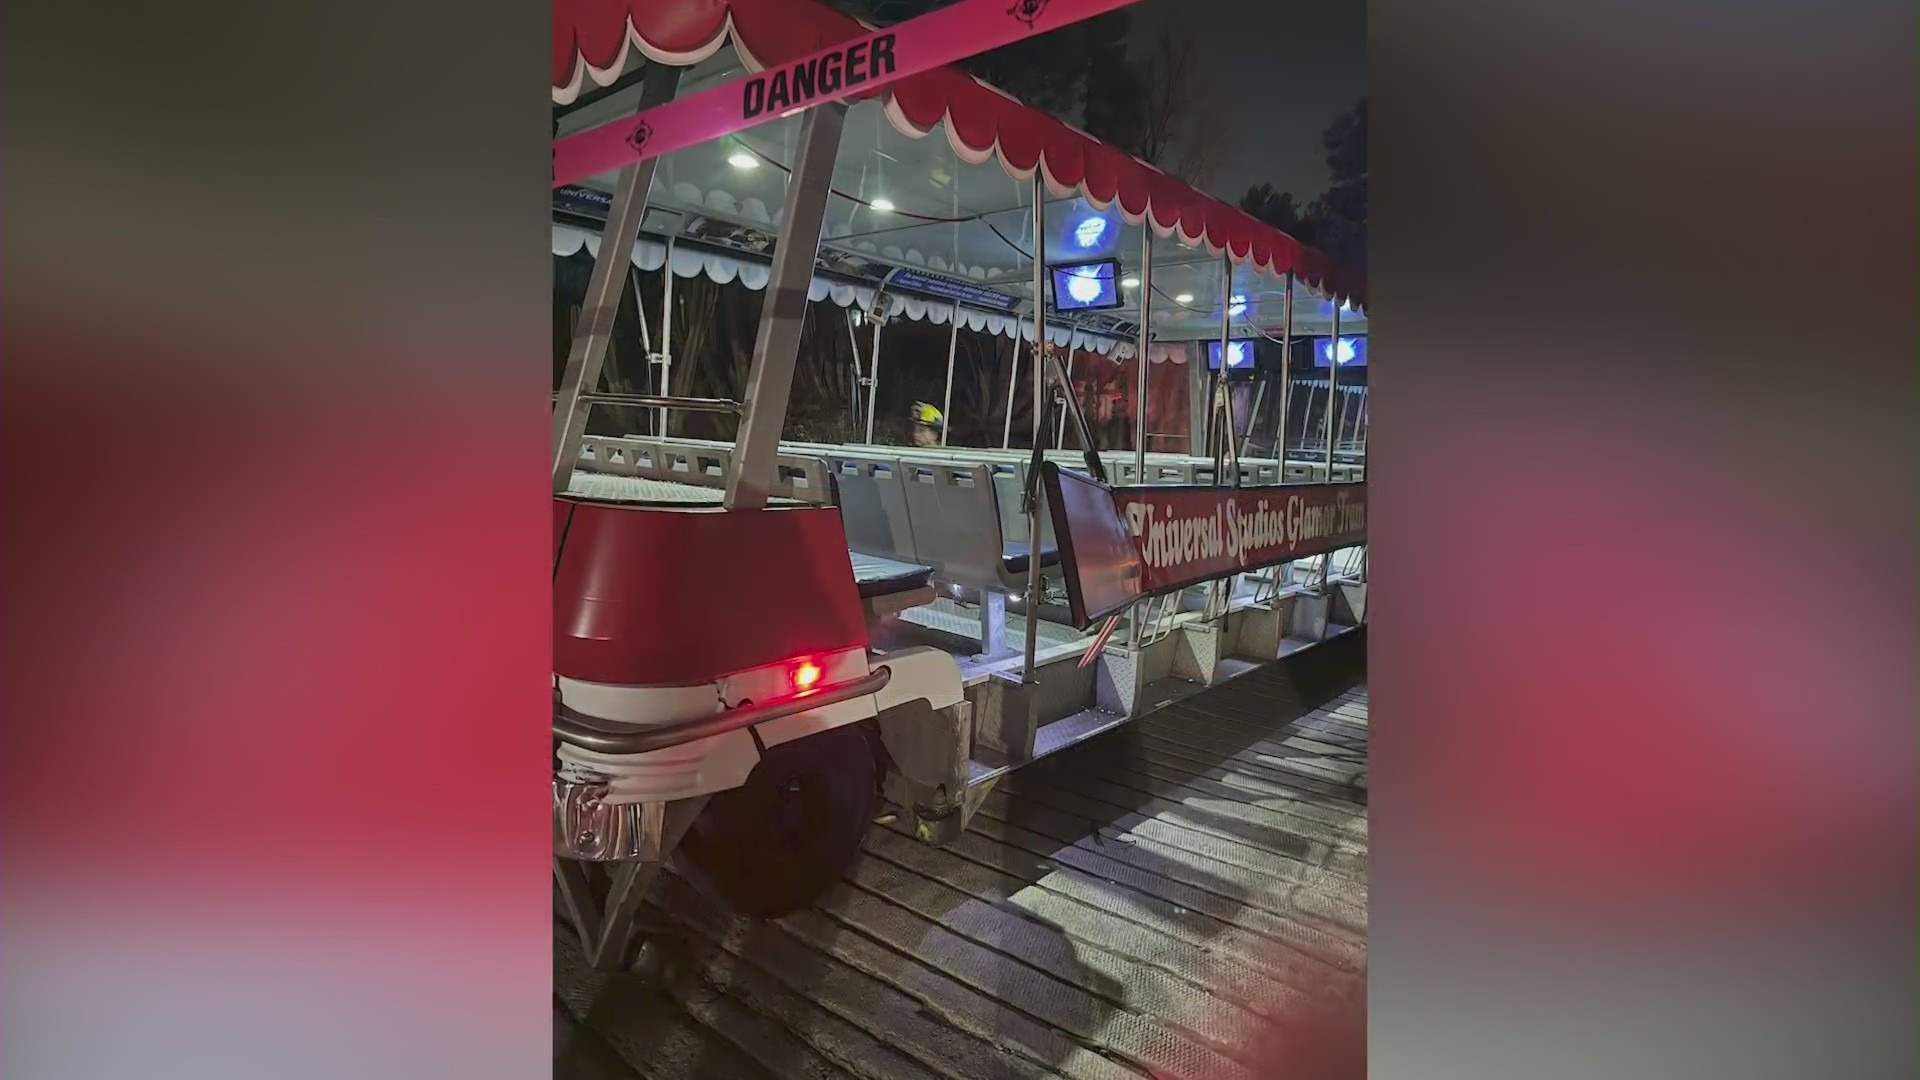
x,y
1152,902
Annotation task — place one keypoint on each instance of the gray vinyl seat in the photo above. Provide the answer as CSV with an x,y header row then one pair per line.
x,y
875,576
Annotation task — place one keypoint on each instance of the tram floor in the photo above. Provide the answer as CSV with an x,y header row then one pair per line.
x,y
1182,897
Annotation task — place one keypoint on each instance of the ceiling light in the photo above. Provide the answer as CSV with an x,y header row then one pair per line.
x,y
1130,281
740,159
882,204
1184,298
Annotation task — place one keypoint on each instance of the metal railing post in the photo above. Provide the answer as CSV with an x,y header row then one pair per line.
x,y
946,402
666,333
594,330
777,342
1286,379
873,362
1013,384
1220,443
1333,383
1039,416
1140,357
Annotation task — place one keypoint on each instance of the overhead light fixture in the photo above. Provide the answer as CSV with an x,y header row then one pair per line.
x,y
1130,281
1184,298
882,204
1089,231
740,159
1237,305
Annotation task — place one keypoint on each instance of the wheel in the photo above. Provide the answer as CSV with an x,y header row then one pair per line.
x,y
776,843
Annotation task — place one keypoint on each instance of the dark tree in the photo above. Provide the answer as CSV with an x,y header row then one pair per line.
x,y
1336,222
1341,212
1276,208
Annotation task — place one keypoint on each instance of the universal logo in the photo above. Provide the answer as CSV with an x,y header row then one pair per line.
x,y
1028,10
638,137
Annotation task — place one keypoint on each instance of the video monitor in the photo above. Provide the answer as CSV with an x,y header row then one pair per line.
x,y
1352,352
1099,563
1088,286
1239,355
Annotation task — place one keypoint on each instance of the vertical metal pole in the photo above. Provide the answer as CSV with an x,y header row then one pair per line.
x,y
1039,392
873,364
1286,380
1211,397
1333,383
1253,414
1070,410
666,335
1066,394
853,391
1306,416
594,330
646,336
993,623
777,342
1013,384
946,401
1135,627
1140,357
1232,451
1218,441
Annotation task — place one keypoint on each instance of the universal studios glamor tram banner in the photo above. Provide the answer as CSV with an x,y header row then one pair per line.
x,y
1118,545
1188,535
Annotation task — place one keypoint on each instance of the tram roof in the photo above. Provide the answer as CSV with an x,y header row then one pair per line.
x,y
925,197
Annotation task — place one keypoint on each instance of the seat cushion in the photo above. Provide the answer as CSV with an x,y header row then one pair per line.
x,y
876,576
1014,555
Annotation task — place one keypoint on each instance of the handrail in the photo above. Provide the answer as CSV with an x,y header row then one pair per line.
x,y
657,401
595,733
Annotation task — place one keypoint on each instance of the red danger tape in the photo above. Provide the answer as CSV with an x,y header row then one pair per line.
x,y
857,66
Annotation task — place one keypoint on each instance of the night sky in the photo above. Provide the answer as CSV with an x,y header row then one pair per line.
x,y
1284,68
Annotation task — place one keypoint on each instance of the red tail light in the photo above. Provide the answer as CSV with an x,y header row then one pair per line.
x,y
806,675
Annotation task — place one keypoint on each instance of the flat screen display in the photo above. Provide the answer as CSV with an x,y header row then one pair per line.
x,y
1098,559
1089,286
1352,352
1239,355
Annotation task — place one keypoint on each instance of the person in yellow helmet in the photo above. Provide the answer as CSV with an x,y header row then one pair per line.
x,y
926,424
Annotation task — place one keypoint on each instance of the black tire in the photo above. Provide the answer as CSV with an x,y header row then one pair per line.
x,y
775,844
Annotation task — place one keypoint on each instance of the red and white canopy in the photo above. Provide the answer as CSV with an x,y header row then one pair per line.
x,y
595,40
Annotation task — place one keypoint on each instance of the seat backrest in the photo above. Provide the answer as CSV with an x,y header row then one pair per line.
x,y
1010,488
1171,472
702,463
1007,493
956,522
873,506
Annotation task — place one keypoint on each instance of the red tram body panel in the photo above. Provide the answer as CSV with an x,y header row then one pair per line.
x,y
658,596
